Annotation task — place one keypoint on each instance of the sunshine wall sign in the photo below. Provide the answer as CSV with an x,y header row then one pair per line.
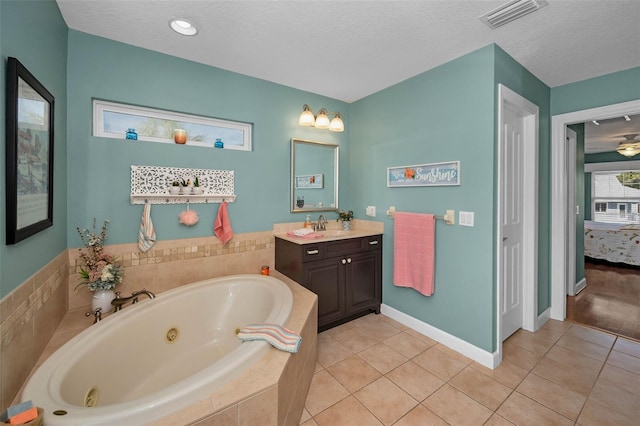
x,y
433,174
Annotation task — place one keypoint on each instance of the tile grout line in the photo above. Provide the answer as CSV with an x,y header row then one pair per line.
x,y
597,377
494,412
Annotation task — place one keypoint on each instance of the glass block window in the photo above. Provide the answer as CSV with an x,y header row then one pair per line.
x,y
111,120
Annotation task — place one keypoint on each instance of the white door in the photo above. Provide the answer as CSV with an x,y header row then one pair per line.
x,y
571,138
512,158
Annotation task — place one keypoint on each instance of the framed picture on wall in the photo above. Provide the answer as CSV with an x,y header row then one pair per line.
x,y
29,151
310,181
432,174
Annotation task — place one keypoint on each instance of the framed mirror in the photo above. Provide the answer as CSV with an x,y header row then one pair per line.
x,y
314,176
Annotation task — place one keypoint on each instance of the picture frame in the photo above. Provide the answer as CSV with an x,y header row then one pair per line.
x,y
430,174
315,181
29,154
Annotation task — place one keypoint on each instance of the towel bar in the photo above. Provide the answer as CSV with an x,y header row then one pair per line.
x,y
449,217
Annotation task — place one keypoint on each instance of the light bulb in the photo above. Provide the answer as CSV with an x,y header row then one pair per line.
x,y
322,121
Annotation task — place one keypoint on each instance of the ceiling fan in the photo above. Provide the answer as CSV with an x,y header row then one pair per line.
x,y
630,146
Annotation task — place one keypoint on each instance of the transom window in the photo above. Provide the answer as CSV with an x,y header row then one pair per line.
x,y
111,120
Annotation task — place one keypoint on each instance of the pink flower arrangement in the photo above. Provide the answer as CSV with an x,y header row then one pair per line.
x,y
98,272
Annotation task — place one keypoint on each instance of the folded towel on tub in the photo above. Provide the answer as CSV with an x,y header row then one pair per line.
x,y
278,336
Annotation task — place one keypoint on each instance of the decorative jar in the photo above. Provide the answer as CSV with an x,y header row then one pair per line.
x,y
132,135
346,225
102,299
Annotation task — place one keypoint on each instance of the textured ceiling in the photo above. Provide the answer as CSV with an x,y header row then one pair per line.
x,y
351,48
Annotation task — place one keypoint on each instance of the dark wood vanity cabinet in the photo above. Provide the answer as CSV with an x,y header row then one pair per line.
x,y
345,274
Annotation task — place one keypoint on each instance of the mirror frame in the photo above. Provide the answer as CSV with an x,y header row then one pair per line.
x,y
336,148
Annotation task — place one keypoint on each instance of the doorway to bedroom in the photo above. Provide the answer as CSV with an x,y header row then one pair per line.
x,y
606,194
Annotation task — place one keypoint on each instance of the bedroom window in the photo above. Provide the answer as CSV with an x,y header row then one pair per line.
x,y
111,120
616,196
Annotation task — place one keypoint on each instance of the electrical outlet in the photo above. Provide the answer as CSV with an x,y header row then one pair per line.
x,y
371,211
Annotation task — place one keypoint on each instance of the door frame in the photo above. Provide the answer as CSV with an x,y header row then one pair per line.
x,y
559,213
530,114
572,148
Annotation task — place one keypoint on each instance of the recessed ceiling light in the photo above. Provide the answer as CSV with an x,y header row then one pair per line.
x,y
595,122
184,27
627,118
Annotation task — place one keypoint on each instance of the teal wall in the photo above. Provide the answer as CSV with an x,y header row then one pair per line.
x,y
445,114
99,168
35,33
580,199
608,89
517,78
608,157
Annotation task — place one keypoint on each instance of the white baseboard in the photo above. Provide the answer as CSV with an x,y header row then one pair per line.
x,y
489,360
543,318
581,285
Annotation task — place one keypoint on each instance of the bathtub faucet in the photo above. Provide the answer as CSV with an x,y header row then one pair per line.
x,y
118,302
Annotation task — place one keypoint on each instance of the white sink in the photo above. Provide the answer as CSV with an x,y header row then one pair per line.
x,y
334,233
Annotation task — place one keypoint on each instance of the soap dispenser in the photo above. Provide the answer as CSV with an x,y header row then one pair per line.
x,y
307,222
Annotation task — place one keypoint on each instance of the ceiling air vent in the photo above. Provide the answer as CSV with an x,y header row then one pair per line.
x,y
511,11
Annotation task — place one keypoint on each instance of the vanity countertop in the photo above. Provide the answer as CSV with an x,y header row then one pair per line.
x,y
360,228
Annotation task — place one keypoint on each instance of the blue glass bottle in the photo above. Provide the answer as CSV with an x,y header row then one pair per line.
x,y
132,135
219,143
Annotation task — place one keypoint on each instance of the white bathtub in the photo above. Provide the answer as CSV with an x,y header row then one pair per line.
x,y
160,355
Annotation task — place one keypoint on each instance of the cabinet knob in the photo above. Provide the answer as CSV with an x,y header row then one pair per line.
x,y
313,251
373,243
349,260
344,262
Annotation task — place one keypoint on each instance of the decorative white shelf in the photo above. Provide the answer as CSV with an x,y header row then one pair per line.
x,y
181,199
150,184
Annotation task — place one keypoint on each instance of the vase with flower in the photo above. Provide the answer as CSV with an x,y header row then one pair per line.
x,y
345,216
99,271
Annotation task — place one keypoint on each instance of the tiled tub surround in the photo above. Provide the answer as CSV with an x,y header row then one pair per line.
x,y
272,392
171,264
29,316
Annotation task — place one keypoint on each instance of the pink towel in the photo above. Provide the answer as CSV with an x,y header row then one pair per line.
x,y
222,224
413,251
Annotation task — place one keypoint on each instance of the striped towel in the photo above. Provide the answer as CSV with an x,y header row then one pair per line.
x,y
278,336
147,233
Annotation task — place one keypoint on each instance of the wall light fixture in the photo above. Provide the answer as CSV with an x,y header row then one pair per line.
x,y
321,121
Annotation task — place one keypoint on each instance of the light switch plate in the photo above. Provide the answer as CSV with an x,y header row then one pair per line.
x,y
371,211
465,218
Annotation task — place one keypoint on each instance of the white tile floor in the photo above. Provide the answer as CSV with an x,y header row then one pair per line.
x,y
375,371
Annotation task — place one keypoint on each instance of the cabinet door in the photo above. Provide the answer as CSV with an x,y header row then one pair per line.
x,y
326,279
363,282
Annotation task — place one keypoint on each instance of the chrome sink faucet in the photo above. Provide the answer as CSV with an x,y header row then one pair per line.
x,y
118,302
322,223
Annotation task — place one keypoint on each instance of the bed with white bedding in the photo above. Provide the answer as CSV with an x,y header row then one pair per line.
x,y
616,243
